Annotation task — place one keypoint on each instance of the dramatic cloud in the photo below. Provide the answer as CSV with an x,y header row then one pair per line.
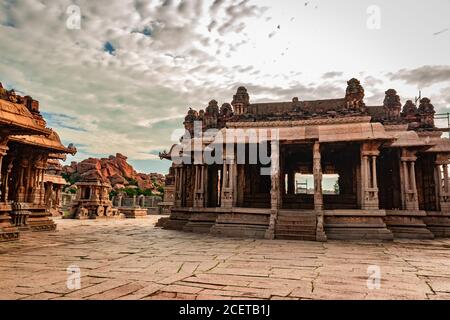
x,y
424,76
124,80
332,74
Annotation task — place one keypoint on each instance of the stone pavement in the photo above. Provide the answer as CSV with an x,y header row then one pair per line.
x,y
130,259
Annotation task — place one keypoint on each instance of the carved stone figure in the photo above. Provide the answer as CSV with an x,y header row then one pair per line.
x,y
12,96
354,94
189,120
409,111
82,213
392,104
241,100
426,113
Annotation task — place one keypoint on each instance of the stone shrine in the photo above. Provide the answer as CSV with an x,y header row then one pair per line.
x,y
26,146
334,169
92,200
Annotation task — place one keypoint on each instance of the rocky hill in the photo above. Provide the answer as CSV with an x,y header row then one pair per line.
x,y
116,170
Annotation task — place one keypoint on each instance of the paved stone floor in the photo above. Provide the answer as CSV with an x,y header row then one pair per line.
x,y
130,259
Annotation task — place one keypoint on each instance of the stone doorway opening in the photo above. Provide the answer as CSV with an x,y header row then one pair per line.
x,y
340,177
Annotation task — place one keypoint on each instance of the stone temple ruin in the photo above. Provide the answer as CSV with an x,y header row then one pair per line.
x,y
92,200
137,206
26,148
54,184
388,166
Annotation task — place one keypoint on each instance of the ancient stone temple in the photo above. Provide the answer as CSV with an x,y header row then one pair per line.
x,y
314,170
133,208
54,184
92,200
26,146
169,192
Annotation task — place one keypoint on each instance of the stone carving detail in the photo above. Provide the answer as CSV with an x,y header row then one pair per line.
x,y
82,213
189,120
12,96
211,115
354,95
241,100
409,111
392,105
92,200
426,113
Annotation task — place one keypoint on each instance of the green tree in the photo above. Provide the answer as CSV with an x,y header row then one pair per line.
x,y
336,187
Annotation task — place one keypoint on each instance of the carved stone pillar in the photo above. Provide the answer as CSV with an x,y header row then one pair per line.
x,y
199,186
228,198
95,193
178,185
369,186
275,191
7,230
317,173
3,150
318,197
41,184
58,196
275,200
79,193
409,197
443,190
20,195
240,182
5,195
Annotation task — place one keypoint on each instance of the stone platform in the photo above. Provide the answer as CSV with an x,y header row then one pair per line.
x,y
133,213
144,262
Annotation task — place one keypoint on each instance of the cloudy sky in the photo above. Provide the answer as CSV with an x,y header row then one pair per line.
x,y
123,81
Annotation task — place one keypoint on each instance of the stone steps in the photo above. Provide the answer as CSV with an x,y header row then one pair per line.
x,y
296,225
440,231
304,237
411,232
358,234
246,231
299,220
173,224
198,226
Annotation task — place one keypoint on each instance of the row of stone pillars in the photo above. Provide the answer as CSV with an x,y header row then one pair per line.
x,y
31,186
138,201
409,197
200,186
368,185
229,184
443,191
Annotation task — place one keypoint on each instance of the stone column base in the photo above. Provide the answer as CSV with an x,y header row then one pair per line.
x,y
408,224
40,221
321,236
8,232
133,213
438,223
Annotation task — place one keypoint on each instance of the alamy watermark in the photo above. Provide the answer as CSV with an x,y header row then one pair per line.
x,y
74,277
240,146
374,277
374,17
73,21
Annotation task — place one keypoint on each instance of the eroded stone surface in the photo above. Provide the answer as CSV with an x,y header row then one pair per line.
x,y
130,259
